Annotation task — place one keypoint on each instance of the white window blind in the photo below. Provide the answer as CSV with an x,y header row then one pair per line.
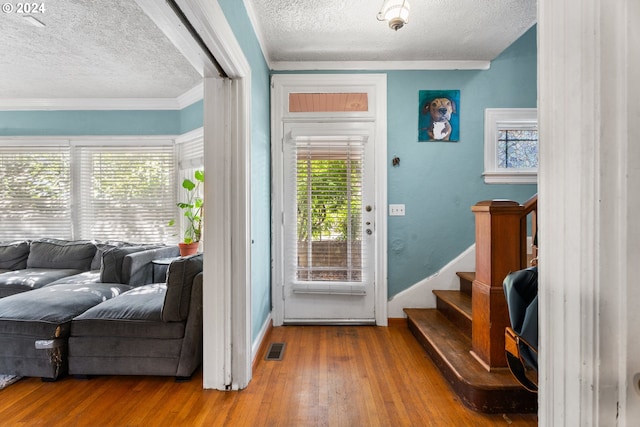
x,y
191,154
126,193
35,192
327,239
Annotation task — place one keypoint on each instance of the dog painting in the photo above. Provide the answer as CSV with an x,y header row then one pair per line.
x,y
439,117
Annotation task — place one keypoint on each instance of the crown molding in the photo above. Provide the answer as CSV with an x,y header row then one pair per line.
x,y
191,96
34,104
378,65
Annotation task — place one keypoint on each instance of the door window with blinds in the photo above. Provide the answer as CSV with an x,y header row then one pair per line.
x,y
325,192
74,189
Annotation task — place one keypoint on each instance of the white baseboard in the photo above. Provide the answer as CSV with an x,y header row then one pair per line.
x,y
255,347
420,295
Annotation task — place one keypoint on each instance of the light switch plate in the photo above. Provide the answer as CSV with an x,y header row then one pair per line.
x,y
396,210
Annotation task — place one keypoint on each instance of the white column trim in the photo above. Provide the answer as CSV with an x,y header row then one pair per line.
x,y
583,200
234,149
217,343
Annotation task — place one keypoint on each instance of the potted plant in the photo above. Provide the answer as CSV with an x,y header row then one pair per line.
x,y
192,209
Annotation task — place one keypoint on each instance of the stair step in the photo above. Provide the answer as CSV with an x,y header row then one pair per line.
x,y
490,392
466,280
456,306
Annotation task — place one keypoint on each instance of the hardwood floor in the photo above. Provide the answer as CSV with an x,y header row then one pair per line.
x,y
329,376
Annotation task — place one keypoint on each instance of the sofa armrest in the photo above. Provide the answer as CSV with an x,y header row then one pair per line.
x,y
191,352
137,269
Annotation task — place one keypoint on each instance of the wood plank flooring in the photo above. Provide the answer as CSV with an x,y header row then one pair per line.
x,y
329,376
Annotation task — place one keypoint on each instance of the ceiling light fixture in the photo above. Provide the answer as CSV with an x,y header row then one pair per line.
x,y
396,12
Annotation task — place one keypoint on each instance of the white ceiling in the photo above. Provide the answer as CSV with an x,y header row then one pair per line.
x,y
90,49
95,49
348,30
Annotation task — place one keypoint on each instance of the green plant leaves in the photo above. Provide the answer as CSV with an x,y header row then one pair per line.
x,y
192,208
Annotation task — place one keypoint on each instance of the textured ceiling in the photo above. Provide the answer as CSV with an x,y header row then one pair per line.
x,y
347,30
111,49
90,49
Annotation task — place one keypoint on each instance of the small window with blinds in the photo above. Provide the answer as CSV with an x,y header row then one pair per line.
x,y
35,192
329,210
126,193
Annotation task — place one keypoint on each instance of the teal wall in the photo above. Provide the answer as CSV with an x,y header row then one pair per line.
x,y
101,122
237,17
191,117
439,181
71,122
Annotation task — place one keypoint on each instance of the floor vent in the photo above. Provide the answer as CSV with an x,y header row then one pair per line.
x,y
276,351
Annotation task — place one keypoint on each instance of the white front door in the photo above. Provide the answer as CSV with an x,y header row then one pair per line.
x,y
329,223
329,180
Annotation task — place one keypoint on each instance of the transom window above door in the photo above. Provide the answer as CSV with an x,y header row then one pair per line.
x,y
328,102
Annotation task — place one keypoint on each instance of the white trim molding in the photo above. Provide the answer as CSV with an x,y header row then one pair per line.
x,y
227,364
262,335
588,204
378,65
420,295
191,96
104,104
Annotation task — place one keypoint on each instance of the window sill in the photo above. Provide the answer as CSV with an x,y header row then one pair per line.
x,y
510,177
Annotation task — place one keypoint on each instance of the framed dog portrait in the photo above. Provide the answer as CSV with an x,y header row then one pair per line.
x,y
439,115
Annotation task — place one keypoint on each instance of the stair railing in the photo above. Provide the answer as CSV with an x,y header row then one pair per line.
x,y
501,247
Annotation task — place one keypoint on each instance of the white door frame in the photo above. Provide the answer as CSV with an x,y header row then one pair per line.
x,y
376,86
227,152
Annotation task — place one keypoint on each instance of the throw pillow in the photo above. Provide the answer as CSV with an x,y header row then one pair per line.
x,y
50,253
13,255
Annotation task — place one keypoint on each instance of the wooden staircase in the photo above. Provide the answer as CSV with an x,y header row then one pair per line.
x,y
464,334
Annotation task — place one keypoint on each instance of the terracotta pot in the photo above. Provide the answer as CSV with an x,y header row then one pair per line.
x,y
188,248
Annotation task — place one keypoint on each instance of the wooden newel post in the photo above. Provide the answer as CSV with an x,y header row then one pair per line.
x,y
499,243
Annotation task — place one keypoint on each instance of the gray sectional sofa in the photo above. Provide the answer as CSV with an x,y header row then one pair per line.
x,y
99,312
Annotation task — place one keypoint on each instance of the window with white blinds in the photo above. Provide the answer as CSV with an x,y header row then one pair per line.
x,y
77,189
126,193
328,200
35,192
190,154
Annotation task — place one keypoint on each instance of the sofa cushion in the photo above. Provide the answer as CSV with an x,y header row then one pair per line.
x,y
50,253
111,268
135,313
14,282
83,278
179,283
13,255
45,312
